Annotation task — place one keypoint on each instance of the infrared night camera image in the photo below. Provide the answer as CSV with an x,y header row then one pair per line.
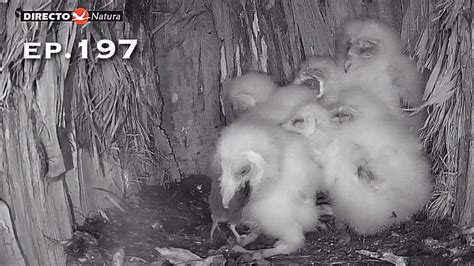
x,y
251,132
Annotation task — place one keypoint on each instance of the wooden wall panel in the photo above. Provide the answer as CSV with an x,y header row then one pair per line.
x,y
187,56
40,210
464,209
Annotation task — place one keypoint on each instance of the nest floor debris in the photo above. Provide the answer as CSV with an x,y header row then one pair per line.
x,y
178,217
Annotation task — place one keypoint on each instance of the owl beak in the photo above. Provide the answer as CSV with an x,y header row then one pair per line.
x,y
228,190
348,64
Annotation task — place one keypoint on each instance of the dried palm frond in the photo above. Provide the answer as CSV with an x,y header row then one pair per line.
x,y
116,100
438,50
111,105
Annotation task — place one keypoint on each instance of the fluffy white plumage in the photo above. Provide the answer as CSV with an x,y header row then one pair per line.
x,y
275,108
246,91
374,59
282,175
281,105
335,83
375,170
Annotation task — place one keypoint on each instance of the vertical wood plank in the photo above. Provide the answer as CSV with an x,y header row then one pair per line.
x,y
10,252
311,32
40,210
188,64
3,12
38,205
464,207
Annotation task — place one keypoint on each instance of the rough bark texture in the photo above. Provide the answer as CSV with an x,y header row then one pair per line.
x,y
40,208
3,12
166,166
464,208
48,184
187,56
10,252
32,168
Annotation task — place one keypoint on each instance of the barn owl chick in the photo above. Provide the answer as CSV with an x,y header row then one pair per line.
x,y
275,110
320,127
373,58
283,177
319,74
375,170
246,91
337,88
283,103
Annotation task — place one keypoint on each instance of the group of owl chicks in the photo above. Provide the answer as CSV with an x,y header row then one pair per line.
x,y
344,126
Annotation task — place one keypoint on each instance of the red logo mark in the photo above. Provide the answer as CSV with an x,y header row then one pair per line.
x,y
80,16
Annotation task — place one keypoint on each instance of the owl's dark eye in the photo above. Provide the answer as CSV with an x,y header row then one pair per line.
x,y
368,48
244,171
367,52
297,121
367,43
312,84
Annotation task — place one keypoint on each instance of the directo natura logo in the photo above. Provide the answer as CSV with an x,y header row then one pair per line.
x,y
80,16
